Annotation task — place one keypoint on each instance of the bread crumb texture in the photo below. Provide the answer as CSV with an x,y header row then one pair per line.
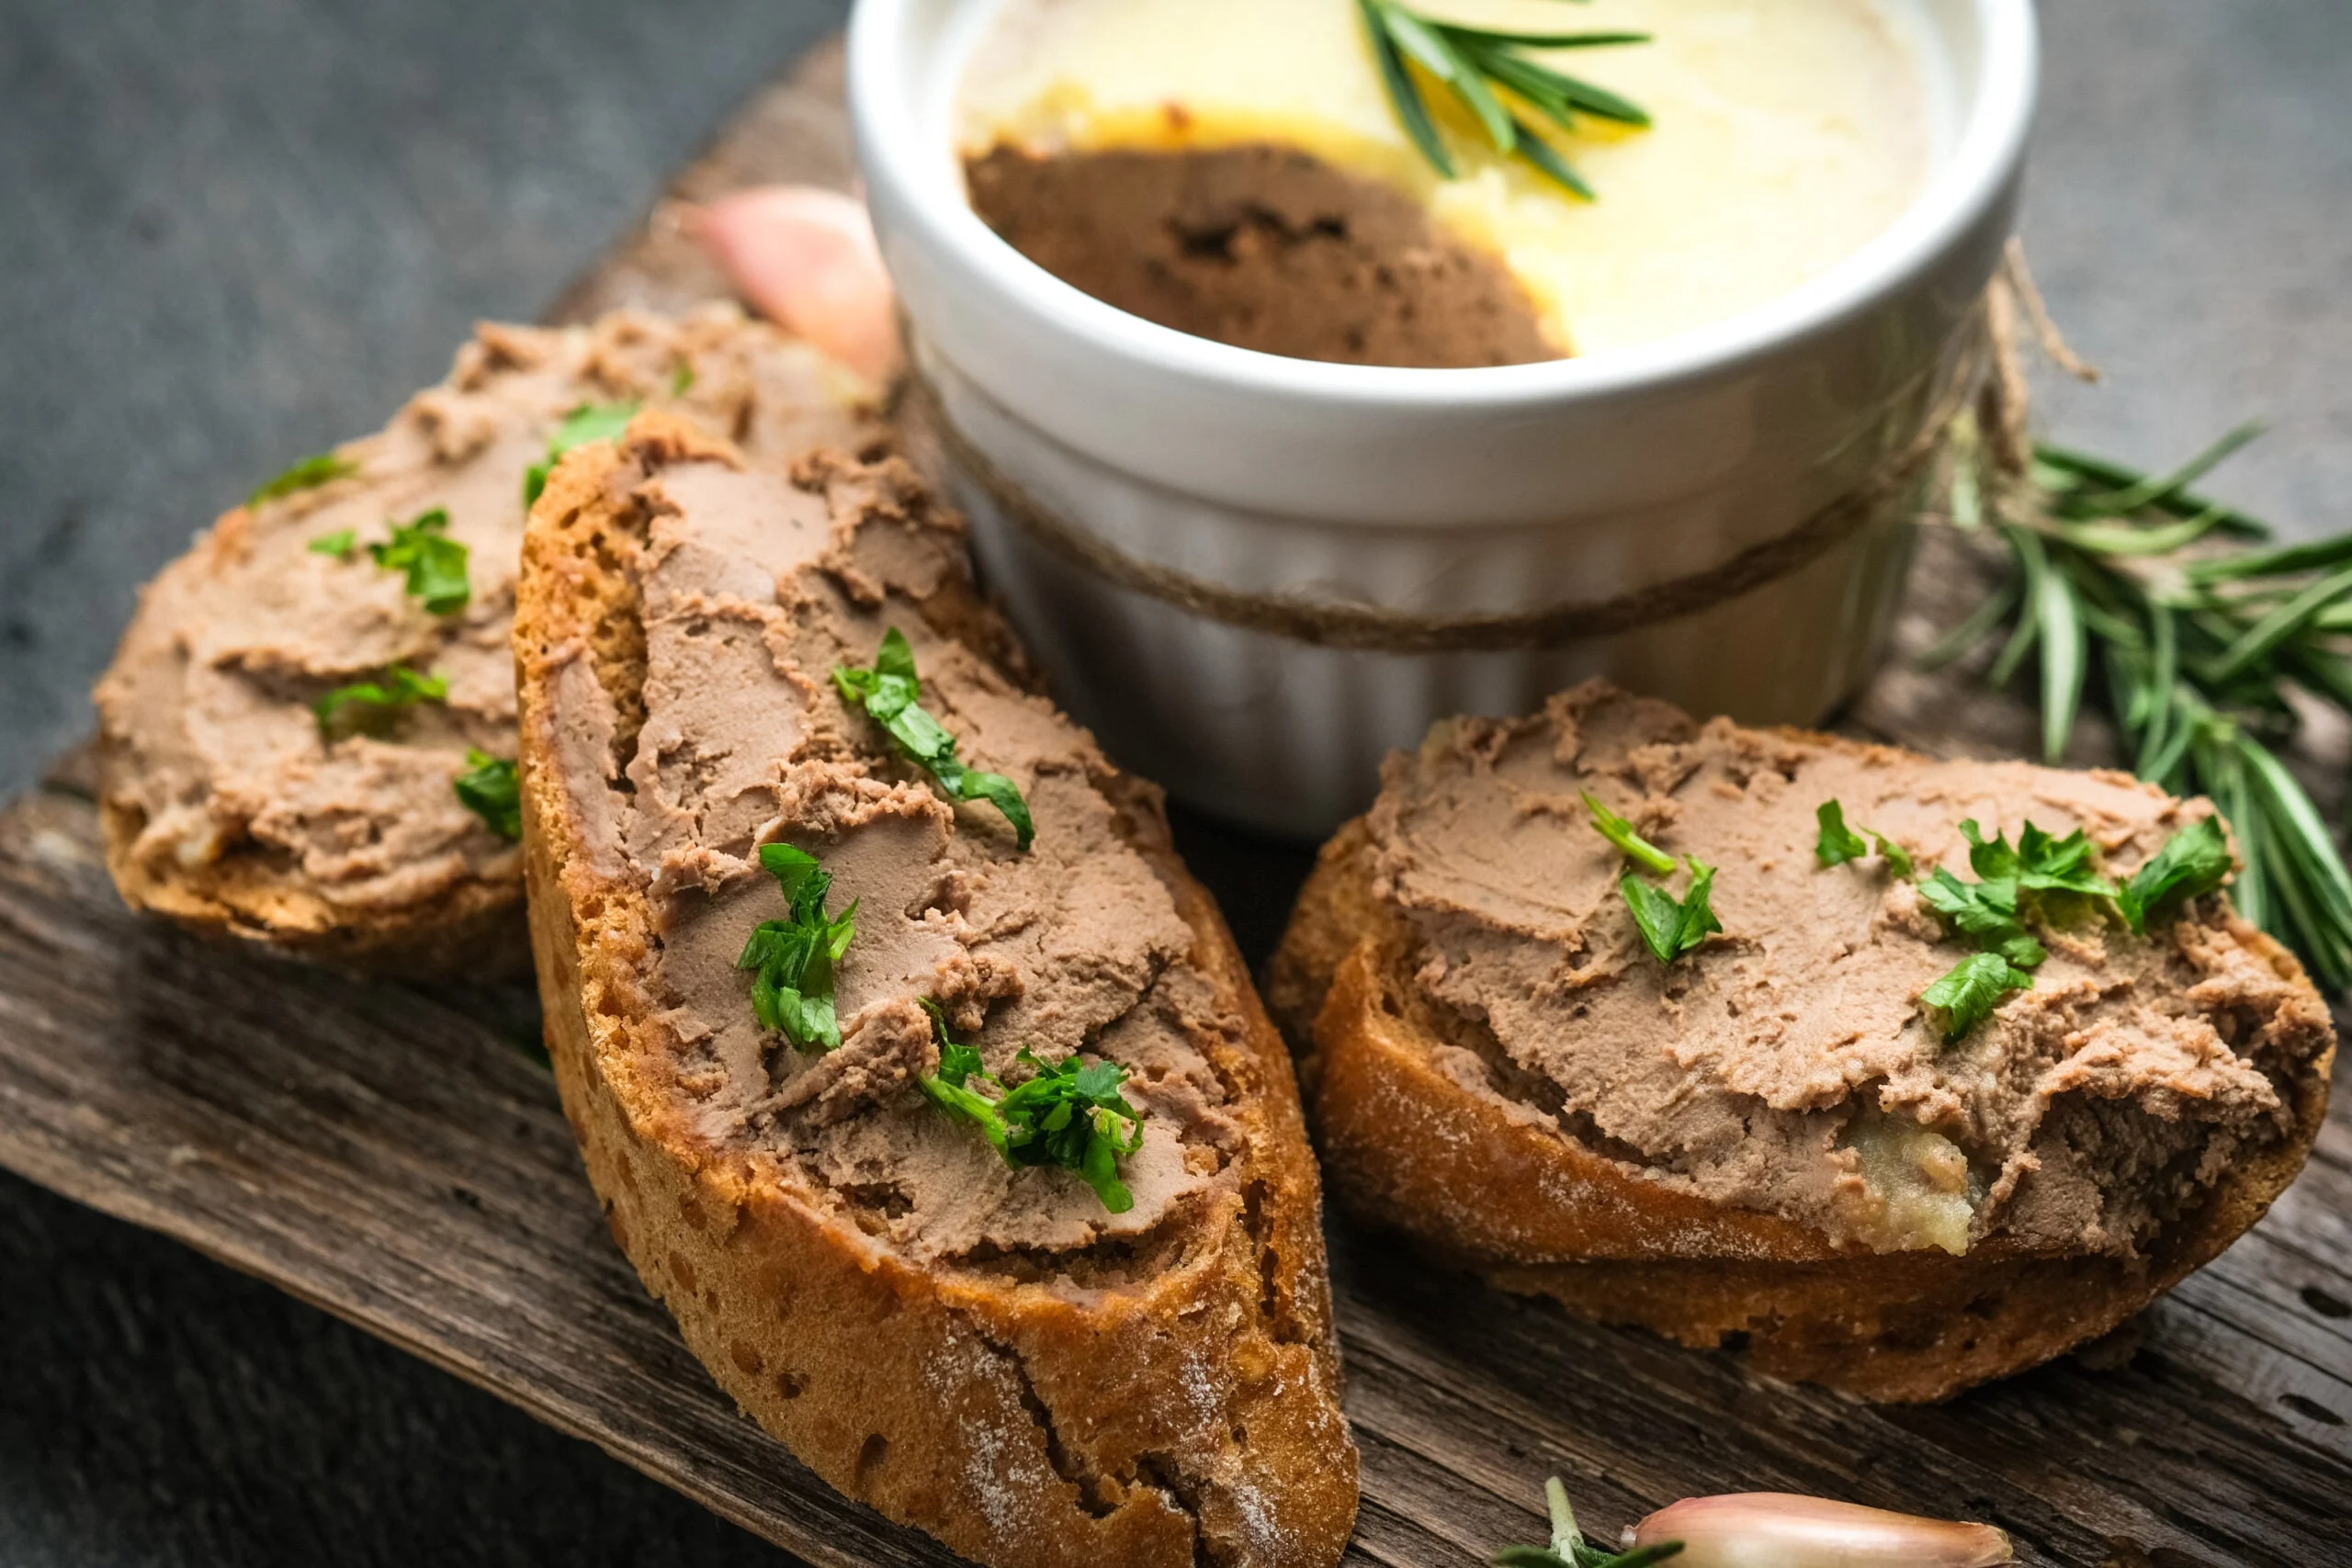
x,y
226,806
983,1352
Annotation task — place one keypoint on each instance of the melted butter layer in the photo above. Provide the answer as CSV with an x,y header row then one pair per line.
x,y
1788,133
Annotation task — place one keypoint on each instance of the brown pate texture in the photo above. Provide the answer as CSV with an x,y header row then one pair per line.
x,y
226,805
1789,1067
1261,247
1174,1367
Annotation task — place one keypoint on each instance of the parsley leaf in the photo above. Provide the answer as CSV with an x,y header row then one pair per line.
x,y
307,474
489,789
589,422
888,692
1839,843
1067,1114
1968,995
2193,862
793,959
339,544
370,704
1986,913
1670,927
436,563
1619,832
956,1063
681,379
2039,863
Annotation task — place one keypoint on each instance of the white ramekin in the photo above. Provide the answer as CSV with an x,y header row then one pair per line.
x,y
1447,494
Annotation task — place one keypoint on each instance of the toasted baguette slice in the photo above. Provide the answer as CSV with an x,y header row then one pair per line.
x,y
226,805
985,1352
1769,1142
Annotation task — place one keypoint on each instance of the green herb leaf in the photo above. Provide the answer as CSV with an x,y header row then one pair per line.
x,y
1838,843
1968,995
1069,1113
307,474
2193,862
1404,95
889,692
369,705
589,422
1672,927
1476,64
1619,832
339,544
958,1064
792,959
490,790
1073,1115
1985,912
435,564
682,379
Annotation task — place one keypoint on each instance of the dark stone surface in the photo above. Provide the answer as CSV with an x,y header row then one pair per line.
x,y
234,230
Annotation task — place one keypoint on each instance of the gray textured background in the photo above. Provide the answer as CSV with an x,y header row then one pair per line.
x,y
234,230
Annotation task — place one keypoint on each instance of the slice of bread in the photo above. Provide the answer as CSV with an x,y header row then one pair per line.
x,y
986,1352
229,809
1769,1142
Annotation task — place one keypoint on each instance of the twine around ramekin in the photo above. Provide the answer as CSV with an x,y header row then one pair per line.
x,y
1323,623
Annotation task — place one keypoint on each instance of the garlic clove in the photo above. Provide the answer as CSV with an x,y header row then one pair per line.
x,y
1780,1529
806,258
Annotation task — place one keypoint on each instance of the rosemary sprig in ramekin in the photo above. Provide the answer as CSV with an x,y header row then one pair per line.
x,y
1486,70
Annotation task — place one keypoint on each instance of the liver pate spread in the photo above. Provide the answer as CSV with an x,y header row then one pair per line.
x,y
1260,247
213,752
753,587
1788,1064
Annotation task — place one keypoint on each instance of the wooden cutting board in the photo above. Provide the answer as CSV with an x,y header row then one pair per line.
x,y
395,1155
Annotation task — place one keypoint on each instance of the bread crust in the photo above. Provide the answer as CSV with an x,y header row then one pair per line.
x,y
1190,1416
1491,1185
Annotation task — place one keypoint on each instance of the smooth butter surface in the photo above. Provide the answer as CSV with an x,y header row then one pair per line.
x,y
1788,132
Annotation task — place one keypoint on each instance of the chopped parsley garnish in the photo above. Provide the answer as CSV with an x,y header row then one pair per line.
x,y
1065,1114
2039,863
2020,883
1670,927
681,379
1619,832
1839,843
793,959
370,704
1968,995
1570,1550
339,544
888,692
1985,912
489,789
2193,862
435,564
307,474
589,422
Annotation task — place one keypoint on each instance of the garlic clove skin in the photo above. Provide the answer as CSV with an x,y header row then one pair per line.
x,y
807,258
1780,1529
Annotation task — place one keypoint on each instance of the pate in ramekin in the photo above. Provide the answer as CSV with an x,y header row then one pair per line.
x,y
1253,574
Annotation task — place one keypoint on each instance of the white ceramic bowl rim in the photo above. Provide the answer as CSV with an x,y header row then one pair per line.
x,y
1998,118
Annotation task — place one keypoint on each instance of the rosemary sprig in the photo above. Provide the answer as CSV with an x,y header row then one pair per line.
x,y
2198,653
1486,73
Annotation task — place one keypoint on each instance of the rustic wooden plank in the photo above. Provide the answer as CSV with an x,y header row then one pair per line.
x,y
395,1155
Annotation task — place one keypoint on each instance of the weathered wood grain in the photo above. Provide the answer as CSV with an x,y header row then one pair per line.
x,y
396,1157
